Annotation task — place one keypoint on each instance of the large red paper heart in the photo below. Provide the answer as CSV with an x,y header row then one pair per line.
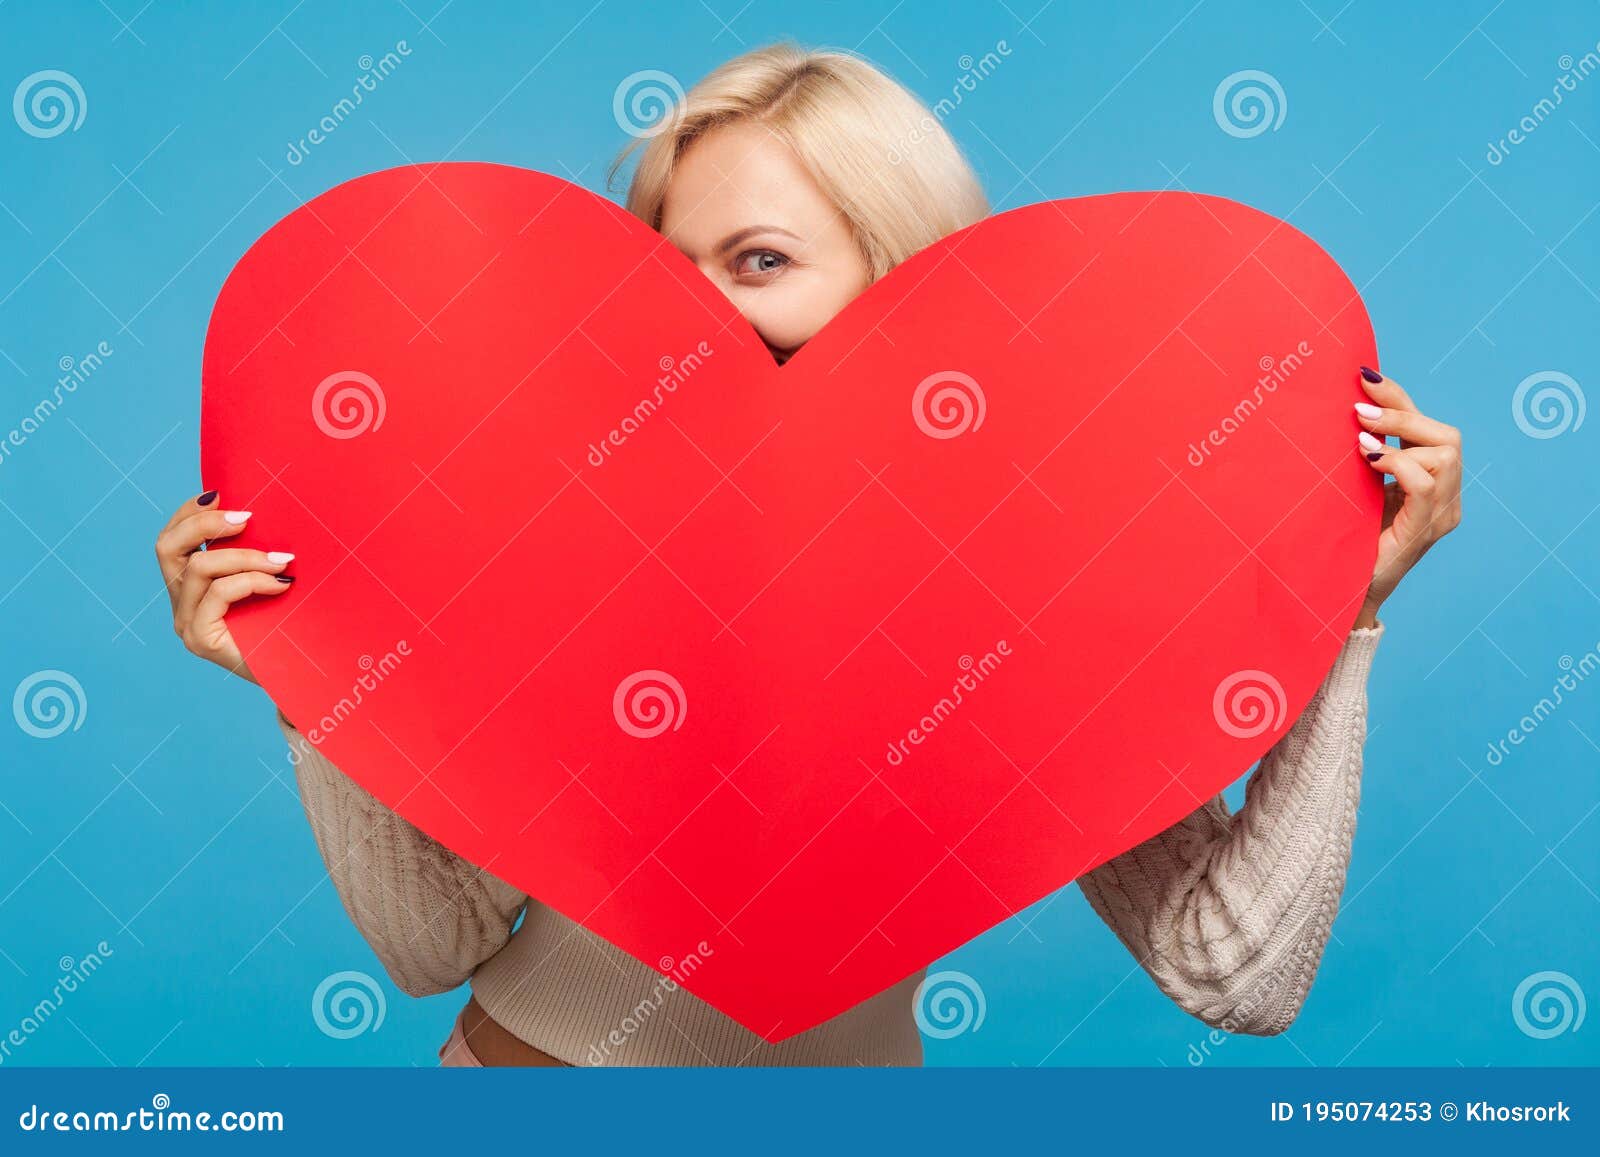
x,y
1048,536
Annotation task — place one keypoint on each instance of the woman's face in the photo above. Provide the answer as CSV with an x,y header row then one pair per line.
x,y
742,207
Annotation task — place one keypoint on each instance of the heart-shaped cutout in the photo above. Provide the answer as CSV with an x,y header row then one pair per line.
x,y
832,666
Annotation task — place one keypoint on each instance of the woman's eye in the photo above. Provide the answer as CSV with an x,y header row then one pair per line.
x,y
759,263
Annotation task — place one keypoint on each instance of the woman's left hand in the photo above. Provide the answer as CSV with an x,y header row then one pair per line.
x,y
1423,503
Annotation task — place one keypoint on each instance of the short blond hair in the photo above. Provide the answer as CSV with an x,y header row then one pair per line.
x,y
877,152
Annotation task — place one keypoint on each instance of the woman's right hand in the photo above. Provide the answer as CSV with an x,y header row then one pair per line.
x,y
203,584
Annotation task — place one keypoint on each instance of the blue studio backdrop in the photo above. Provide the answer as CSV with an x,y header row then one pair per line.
x,y
152,845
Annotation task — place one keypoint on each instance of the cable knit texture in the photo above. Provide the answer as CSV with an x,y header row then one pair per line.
x,y
1229,914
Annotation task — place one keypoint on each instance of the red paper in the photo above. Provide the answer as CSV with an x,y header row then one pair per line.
x,y
599,597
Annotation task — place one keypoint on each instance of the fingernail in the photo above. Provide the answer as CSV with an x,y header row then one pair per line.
x,y
279,557
1371,375
1373,457
1368,410
1370,443
284,578
235,517
206,499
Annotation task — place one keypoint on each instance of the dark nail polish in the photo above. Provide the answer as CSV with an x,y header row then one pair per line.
x,y
1373,457
1371,375
207,498
284,578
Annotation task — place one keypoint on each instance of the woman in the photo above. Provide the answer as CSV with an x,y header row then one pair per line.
x,y
785,178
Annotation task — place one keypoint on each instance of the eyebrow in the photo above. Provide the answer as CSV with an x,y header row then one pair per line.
x,y
733,239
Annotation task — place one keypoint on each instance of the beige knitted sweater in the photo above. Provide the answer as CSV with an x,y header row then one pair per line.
x,y
1228,914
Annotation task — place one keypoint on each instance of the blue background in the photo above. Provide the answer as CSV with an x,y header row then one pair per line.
x,y
167,824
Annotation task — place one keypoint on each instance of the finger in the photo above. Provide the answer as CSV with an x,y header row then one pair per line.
x,y
207,635
1413,477
175,544
226,591
1384,391
1443,509
1443,462
194,506
207,565
204,567
1409,426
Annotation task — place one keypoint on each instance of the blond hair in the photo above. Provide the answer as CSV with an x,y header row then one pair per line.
x,y
875,150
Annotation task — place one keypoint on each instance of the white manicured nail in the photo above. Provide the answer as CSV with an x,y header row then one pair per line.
x,y
235,517
1368,442
277,557
1367,410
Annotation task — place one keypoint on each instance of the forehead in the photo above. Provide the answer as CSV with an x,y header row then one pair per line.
x,y
734,177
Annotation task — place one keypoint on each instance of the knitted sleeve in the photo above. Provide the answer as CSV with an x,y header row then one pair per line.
x,y
430,916
1229,914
